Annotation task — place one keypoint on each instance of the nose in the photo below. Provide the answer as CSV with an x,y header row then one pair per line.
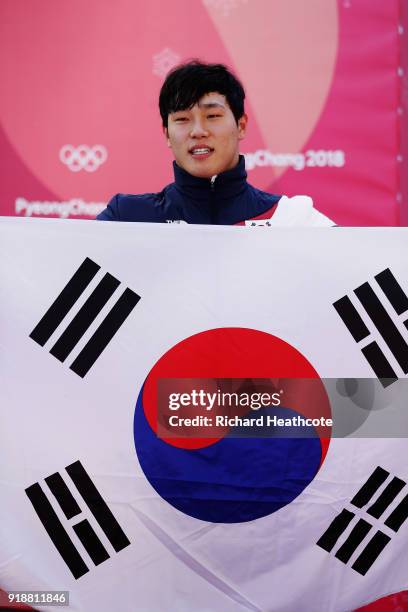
x,y
198,130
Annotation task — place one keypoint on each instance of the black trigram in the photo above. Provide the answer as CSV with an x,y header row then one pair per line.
x,y
85,316
382,321
70,508
372,549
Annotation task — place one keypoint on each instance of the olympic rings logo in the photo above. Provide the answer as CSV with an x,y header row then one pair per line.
x,y
83,157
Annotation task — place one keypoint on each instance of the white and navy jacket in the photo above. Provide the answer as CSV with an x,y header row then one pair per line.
x,y
226,199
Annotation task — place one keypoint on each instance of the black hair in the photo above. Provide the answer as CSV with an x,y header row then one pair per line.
x,y
187,83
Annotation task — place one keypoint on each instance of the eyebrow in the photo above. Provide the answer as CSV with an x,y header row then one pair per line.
x,y
211,105
202,105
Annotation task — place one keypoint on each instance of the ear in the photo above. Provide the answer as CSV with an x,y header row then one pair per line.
x,y
242,125
166,135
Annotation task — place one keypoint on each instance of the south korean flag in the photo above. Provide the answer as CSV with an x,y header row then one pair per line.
x,y
100,499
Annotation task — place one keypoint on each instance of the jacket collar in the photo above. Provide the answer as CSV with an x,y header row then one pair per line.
x,y
227,184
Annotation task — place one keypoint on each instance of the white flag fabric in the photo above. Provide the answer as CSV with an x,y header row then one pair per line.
x,y
95,503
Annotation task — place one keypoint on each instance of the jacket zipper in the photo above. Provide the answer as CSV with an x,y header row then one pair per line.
x,y
213,211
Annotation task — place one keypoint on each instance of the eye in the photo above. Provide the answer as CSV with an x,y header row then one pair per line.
x,y
213,116
180,119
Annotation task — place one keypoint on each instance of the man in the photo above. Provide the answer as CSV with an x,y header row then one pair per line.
x,y
202,110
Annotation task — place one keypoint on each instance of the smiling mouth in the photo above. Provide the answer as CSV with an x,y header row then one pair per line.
x,y
201,152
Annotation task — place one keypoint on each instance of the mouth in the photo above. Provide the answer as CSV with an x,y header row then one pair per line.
x,y
201,152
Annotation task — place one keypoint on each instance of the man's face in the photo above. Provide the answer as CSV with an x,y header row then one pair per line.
x,y
205,138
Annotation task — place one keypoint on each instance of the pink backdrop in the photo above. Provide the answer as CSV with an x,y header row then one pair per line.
x,y
79,116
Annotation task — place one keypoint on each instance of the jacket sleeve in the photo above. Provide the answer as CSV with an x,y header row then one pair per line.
x,y
299,211
111,212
